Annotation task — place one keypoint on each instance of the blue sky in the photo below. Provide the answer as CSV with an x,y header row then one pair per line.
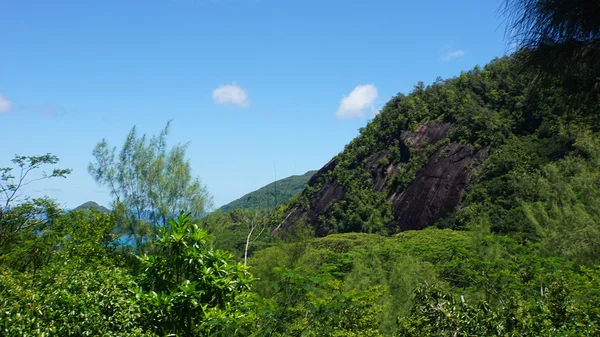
x,y
262,89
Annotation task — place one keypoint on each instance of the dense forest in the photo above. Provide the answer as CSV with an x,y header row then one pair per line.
x,y
467,207
271,195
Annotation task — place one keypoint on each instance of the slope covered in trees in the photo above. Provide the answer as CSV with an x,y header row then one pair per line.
x,y
424,159
271,195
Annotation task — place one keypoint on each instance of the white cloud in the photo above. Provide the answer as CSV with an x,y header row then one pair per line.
x,y
451,55
53,109
356,103
48,109
231,94
5,104
447,46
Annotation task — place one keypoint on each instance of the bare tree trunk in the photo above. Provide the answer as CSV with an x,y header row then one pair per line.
x,y
248,243
253,224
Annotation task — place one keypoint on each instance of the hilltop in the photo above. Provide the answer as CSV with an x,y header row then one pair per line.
x,y
271,195
92,205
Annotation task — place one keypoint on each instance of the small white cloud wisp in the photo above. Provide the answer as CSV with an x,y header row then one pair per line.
x,y
231,94
5,104
355,104
451,55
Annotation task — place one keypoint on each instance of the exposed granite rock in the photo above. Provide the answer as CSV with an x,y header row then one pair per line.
x,y
435,192
438,187
319,202
424,136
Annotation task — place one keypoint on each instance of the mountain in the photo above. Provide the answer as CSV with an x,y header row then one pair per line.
x,y
92,205
477,148
271,195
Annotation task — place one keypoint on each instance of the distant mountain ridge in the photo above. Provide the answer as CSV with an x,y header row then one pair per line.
x,y
271,195
92,205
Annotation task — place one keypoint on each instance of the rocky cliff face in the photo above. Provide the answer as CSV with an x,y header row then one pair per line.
x,y
418,141
319,202
435,192
438,187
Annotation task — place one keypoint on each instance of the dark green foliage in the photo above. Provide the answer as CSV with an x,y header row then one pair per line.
x,y
481,267
566,307
72,299
367,212
69,300
229,230
186,285
527,191
317,305
68,282
363,262
271,195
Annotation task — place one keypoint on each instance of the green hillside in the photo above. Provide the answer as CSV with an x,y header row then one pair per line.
x,y
271,195
489,145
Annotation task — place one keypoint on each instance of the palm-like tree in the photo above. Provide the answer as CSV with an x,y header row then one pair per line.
x,y
561,39
562,34
538,23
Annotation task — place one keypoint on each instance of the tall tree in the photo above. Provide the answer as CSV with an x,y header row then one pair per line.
x,y
148,181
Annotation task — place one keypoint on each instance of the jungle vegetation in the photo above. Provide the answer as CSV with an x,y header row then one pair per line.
x,y
271,195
